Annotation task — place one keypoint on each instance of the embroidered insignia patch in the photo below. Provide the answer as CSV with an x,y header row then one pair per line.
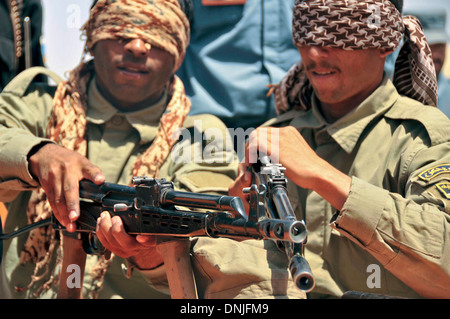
x,y
431,173
444,188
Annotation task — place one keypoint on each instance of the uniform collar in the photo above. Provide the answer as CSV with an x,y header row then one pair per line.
x,y
145,121
347,130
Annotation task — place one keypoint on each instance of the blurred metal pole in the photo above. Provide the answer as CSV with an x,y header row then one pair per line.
x,y
27,42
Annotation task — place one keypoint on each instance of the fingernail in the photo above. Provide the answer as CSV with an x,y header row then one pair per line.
x,y
71,227
116,220
99,178
73,215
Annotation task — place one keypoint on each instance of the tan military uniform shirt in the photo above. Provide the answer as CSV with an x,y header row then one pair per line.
x,y
392,235
224,268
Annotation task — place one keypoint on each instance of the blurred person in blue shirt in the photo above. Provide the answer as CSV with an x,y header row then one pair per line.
x,y
237,48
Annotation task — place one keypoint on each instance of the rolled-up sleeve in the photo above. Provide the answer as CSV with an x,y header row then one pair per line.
x,y
361,224
409,234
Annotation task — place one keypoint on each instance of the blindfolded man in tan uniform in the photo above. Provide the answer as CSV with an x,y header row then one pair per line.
x,y
368,159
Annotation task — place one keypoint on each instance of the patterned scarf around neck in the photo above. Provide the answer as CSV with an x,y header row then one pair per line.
x,y
169,29
355,25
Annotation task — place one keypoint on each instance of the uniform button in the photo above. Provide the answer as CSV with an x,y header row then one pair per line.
x,y
117,120
322,137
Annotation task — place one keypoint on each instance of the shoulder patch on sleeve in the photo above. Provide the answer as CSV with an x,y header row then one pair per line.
x,y
435,171
444,189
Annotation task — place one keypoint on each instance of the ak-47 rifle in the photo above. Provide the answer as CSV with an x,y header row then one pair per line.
x,y
269,194
153,207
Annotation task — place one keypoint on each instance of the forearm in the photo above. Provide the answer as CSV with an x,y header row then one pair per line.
x,y
333,185
155,277
410,240
324,179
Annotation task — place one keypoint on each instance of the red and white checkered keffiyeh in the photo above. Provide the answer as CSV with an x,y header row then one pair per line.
x,y
356,25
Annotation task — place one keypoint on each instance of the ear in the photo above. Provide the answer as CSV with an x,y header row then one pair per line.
x,y
385,52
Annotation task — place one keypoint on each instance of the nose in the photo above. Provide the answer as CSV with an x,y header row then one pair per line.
x,y
316,52
137,47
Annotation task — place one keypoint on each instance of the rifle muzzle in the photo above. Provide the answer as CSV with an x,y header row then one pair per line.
x,y
301,273
284,230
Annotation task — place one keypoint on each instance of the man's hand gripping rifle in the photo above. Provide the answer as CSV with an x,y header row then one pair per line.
x,y
268,195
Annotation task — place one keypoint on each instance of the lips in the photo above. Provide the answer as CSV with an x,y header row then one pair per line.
x,y
323,72
133,69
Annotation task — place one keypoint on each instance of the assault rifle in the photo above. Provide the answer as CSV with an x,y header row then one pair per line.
x,y
154,207
151,208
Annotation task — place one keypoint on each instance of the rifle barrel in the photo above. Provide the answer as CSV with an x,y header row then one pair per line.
x,y
301,273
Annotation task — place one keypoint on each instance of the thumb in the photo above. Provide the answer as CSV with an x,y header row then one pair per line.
x,y
94,174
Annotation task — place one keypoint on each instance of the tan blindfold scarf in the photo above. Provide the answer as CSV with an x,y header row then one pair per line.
x,y
161,23
67,125
356,25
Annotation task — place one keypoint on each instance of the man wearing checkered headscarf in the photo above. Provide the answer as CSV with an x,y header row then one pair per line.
x,y
360,25
368,168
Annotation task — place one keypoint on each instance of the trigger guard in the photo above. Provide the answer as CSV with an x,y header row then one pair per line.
x,y
92,246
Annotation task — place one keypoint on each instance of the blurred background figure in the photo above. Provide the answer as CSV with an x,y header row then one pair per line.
x,y
20,33
434,22
237,48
